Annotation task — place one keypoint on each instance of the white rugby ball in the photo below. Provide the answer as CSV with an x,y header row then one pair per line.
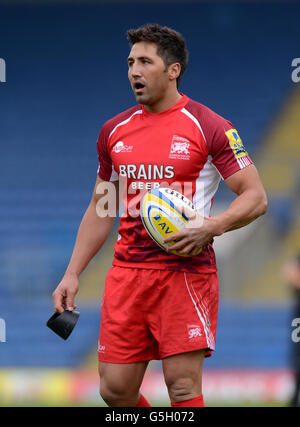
x,y
163,213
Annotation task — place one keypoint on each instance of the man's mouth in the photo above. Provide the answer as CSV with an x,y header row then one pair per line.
x,y
138,87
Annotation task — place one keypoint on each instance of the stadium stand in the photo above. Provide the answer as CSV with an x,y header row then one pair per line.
x,y
279,172
72,82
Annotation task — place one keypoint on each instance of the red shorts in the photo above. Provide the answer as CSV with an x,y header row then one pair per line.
x,y
152,314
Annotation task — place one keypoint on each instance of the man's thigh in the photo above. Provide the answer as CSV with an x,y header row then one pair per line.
x,y
122,378
124,336
183,312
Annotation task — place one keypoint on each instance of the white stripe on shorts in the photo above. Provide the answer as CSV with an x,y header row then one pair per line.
x,y
206,316
202,314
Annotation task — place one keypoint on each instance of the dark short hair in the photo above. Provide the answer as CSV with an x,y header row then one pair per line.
x,y
171,46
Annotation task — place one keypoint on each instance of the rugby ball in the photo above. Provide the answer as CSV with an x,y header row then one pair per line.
x,y
163,212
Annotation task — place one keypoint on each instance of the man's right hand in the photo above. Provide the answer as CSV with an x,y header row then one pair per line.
x,y
64,294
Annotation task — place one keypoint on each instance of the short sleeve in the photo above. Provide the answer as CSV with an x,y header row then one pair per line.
x,y
224,145
227,150
106,170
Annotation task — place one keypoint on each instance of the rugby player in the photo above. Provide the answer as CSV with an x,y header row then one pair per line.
x,y
157,305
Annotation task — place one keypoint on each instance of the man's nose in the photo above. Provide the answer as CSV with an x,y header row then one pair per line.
x,y
135,71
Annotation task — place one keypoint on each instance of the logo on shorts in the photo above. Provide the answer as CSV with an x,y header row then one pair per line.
x,y
180,148
101,348
194,331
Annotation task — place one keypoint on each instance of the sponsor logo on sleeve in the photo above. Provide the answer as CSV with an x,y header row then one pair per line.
x,y
236,143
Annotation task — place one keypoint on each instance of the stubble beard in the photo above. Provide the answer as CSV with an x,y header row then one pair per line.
x,y
143,99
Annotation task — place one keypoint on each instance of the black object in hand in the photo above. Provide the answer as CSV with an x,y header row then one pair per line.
x,y
63,323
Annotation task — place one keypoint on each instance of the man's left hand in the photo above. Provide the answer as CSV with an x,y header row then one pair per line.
x,y
198,232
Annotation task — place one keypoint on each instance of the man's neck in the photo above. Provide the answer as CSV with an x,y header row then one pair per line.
x,y
165,103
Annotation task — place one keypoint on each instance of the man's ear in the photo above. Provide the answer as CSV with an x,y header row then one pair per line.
x,y
174,71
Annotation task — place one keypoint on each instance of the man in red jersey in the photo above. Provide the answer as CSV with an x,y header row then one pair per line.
x,y
157,305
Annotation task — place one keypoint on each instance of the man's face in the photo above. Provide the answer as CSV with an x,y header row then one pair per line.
x,y
147,73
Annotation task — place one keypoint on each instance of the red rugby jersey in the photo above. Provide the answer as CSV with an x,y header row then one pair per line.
x,y
187,146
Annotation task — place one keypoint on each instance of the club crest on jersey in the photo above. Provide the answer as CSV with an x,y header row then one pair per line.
x,y
121,147
236,143
180,148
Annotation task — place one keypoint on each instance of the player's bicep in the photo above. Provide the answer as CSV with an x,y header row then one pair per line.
x,y
245,179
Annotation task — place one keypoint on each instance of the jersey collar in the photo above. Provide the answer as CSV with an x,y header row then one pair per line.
x,y
179,105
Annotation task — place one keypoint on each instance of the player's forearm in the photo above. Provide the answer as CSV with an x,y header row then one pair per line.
x,y
243,210
91,235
